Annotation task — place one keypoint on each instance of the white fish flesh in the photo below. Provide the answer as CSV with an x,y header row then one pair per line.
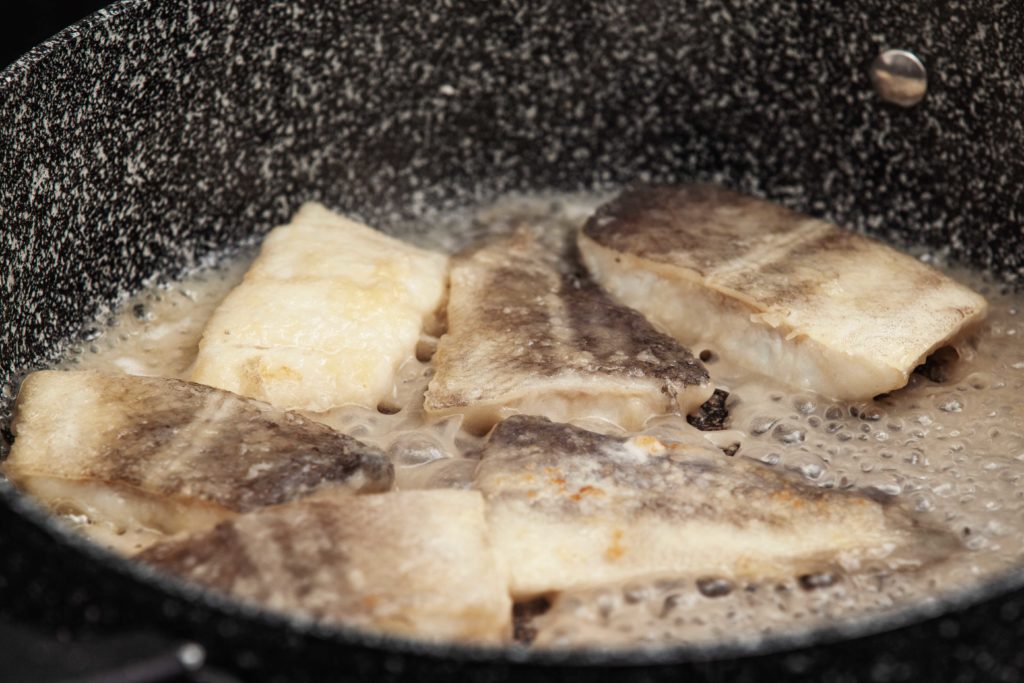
x,y
783,294
325,316
413,563
569,508
529,333
138,454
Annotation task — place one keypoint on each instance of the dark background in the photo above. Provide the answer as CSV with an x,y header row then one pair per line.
x,y
36,20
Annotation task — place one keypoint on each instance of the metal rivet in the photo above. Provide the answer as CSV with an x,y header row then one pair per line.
x,y
899,77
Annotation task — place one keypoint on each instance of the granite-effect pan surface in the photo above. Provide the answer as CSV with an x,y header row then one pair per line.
x,y
155,134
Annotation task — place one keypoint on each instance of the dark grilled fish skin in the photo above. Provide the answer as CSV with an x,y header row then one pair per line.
x,y
528,332
570,508
407,562
781,293
166,446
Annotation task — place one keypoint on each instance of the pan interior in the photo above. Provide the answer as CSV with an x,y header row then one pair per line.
x,y
149,140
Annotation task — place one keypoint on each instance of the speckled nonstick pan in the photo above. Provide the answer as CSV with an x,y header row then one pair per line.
x,y
154,134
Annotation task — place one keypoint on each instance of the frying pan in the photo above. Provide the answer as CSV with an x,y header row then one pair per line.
x,y
153,136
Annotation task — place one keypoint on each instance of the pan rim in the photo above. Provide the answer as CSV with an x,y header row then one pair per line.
x,y
23,65
995,588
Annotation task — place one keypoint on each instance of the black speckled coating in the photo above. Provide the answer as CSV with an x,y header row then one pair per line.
x,y
154,134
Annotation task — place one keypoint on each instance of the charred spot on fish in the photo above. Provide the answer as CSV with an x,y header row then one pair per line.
x,y
713,415
321,464
708,356
824,243
646,220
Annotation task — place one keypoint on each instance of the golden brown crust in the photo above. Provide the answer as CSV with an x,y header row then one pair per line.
x,y
570,508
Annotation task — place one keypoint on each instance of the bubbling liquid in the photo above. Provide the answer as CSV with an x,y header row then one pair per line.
x,y
948,448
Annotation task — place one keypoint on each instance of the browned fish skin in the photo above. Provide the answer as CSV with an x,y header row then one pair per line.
x,y
657,223
184,440
646,221
569,508
787,295
224,558
522,312
409,562
572,451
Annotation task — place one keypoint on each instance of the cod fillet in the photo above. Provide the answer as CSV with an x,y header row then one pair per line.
x,y
791,297
413,563
570,509
324,317
143,454
529,333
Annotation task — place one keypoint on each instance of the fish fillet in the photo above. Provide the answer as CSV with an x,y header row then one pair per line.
x,y
324,317
166,455
413,563
569,508
795,298
528,333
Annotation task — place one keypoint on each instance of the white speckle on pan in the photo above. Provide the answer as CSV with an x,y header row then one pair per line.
x,y
151,136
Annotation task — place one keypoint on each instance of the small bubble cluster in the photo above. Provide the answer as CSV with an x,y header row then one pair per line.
x,y
949,447
674,611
